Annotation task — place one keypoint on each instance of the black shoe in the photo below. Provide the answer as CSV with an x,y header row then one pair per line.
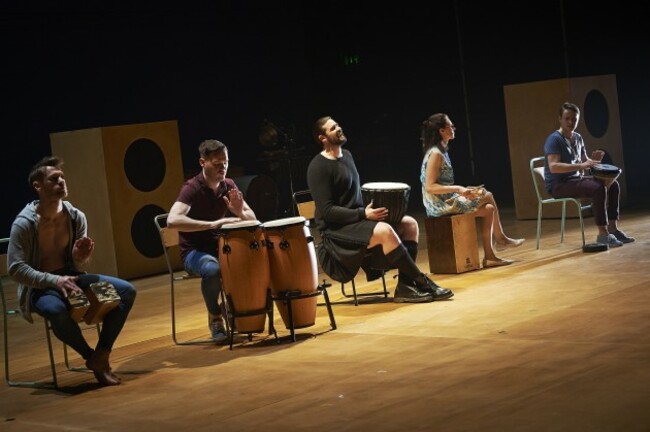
x,y
435,291
409,294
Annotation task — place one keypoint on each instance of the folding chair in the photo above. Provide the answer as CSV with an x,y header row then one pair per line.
x,y
6,312
169,239
537,173
307,208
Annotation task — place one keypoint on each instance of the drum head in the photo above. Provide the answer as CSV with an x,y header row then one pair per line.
x,y
240,224
284,222
385,186
607,169
595,247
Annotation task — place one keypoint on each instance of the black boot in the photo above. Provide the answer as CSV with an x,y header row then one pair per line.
x,y
423,283
407,290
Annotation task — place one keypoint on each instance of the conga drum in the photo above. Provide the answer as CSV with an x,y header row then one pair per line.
x,y
293,267
393,196
245,272
606,173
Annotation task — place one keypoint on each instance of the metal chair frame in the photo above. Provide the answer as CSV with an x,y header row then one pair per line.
x,y
6,312
169,240
537,173
306,208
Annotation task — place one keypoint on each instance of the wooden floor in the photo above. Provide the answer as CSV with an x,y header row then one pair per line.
x,y
558,341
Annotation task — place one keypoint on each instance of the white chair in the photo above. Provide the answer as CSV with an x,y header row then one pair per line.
x,y
537,174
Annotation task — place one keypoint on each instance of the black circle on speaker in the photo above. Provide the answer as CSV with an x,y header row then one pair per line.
x,y
596,113
144,165
144,233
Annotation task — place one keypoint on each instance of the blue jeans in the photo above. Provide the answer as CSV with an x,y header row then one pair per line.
x,y
50,304
207,266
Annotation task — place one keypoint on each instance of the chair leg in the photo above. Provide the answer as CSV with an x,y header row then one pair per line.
x,y
582,225
539,222
354,292
562,224
28,384
51,352
173,312
356,296
329,306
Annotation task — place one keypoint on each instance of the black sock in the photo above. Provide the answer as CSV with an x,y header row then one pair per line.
x,y
400,258
412,248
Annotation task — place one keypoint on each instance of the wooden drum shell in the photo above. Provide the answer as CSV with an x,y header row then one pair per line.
x,y
293,267
245,272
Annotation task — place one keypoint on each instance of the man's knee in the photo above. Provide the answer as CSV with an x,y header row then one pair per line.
x,y
209,267
53,311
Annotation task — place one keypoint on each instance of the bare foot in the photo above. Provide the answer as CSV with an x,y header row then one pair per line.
x,y
98,363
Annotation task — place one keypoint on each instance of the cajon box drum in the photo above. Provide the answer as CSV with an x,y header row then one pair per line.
x,y
452,243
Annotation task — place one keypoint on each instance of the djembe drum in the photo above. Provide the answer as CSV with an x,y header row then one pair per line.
x,y
293,267
245,273
393,196
606,173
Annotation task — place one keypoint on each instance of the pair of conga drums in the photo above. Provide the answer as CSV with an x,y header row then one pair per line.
x,y
279,254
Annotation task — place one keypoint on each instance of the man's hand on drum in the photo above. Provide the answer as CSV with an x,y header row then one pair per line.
x,y
378,214
235,201
588,164
68,285
220,222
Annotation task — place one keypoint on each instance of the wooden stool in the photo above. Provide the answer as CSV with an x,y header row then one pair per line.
x,y
452,243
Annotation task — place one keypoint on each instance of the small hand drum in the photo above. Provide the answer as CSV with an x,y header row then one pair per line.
x,y
606,173
79,305
103,298
393,196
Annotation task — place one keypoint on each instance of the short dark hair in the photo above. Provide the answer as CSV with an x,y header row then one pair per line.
x,y
211,146
568,106
38,171
317,129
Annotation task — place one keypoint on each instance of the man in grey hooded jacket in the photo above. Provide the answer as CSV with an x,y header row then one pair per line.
x,y
48,248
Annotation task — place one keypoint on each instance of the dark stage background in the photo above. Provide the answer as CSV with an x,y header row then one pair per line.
x,y
222,68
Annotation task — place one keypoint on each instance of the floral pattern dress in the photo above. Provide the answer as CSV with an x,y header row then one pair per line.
x,y
435,204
